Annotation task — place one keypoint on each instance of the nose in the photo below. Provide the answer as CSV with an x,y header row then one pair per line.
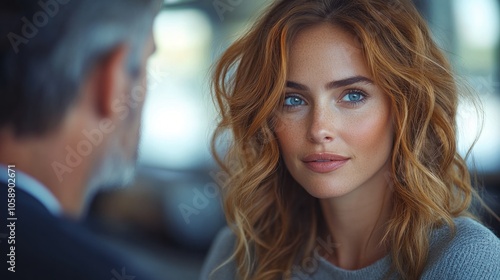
x,y
321,126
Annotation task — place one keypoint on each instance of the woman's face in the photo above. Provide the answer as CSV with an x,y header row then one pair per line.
x,y
335,128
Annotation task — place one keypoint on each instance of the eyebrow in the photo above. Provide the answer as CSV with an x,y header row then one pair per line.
x,y
333,84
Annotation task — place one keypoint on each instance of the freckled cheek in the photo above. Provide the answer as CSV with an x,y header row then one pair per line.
x,y
369,133
289,133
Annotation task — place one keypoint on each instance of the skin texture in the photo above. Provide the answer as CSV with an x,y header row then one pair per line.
x,y
349,120
117,167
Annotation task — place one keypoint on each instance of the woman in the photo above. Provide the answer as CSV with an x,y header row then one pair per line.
x,y
343,161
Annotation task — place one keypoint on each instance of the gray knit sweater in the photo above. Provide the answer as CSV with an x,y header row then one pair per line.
x,y
473,253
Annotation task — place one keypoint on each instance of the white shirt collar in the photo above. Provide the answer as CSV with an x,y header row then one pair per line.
x,y
33,187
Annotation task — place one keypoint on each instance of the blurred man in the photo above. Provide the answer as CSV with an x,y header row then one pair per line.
x,y
72,86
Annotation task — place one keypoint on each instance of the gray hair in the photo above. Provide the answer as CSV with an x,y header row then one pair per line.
x,y
47,48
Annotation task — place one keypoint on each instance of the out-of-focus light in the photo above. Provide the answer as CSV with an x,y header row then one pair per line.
x,y
486,152
174,134
478,22
176,118
181,29
183,39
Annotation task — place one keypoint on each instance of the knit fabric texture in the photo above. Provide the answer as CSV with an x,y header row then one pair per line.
x,y
472,253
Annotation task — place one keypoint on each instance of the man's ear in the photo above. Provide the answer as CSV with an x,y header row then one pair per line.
x,y
111,80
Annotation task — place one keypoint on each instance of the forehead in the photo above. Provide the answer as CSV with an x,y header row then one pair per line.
x,y
327,49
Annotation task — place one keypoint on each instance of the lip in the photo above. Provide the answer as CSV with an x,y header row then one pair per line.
x,y
324,162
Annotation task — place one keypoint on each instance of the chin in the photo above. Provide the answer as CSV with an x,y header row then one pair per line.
x,y
116,169
327,191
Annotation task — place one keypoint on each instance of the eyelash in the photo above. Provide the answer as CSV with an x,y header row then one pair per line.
x,y
363,95
292,96
357,102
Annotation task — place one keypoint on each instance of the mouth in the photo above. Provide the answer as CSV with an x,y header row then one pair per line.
x,y
324,157
324,162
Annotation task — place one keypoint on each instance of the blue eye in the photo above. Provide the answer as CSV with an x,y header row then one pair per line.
x,y
293,101
354,97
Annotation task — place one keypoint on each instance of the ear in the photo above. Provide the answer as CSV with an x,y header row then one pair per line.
x,y
111,80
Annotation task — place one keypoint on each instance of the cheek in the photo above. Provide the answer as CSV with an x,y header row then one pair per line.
x,y
371,132
288,132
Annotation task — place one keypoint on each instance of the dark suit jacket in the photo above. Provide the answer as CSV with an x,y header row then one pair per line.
x,y
53,248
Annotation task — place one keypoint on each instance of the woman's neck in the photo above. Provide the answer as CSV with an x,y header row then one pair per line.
x,y
357,223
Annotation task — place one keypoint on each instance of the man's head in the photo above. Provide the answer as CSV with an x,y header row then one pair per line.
x,y
73,82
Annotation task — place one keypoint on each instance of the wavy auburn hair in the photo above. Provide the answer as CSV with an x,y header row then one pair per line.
x,y
276,222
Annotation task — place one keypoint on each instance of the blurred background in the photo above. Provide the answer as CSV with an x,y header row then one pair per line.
x,y
168,219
